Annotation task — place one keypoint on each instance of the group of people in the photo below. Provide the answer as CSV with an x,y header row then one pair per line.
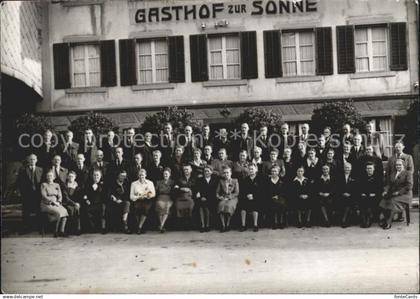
x,y
99,187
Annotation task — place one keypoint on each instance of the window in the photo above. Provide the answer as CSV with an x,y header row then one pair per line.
x,y
298,53
224,57
152,62
85,65
371,46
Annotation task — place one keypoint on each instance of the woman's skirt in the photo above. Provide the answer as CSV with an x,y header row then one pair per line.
x,y
227,206
394,203
73,211
279,203
254,205
142,207
303,204
163,204
54,212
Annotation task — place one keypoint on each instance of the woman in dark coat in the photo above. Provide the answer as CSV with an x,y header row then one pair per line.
x,y
302,197
205,195
275,190
184,203
398,193
251,198
312,166
197,164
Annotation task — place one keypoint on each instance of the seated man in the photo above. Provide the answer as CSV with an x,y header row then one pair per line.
x,y
398,193
347,193
119,202
371,192
93,204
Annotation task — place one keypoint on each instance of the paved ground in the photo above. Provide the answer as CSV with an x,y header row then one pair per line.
x,y
314,260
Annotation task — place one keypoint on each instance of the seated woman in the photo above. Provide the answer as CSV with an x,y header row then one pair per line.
x,y
227,193
71,200
119,202
142,193
197,164
164,201
184,202
397,194
301,197
93,204
51,199
371,192
205,194
325,186
347,193
251,199
276,196
240,168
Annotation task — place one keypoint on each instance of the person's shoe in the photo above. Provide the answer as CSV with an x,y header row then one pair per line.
x,y
308,224
63,235
227,229
327,224
207,229
299,225
344,224
222,229
387,226
56,235
242,229
202,230
78,232
162,230
281,226
139,231
255,229
104,231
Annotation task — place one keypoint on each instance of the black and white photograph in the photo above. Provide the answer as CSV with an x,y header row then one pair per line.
x,y
209,147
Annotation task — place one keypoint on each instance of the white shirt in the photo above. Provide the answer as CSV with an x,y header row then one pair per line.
x,y
143,190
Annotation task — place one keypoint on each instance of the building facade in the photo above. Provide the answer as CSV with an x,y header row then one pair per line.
x,y
127,58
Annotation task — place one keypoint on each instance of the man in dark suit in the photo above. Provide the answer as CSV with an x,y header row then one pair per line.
x,y
60,173
206,138
357,151
99,164
168,144
263,141
69,150
208,154
286,139
374,139
108,147
81,170
244,142
117,165
155,170
129,145
188,141
90,147
371,192
347,193
134,168
28,183
47,150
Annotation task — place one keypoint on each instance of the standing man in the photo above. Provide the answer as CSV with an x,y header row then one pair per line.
x,y
129,146
69,150
108,147
100,164
222,142
168,143
286,139
263,141
28,182
375,140
81,170
117,165
60,173
244,142
90,148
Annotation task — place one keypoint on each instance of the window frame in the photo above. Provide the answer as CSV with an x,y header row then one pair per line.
x,y
224,56
154,70
297,46
86,63
370,55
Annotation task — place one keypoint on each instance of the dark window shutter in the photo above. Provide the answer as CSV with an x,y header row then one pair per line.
x,y
198,54
345,49
272,54
108,66
176,59
324,59
61,53
249,65
398,46
128,62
